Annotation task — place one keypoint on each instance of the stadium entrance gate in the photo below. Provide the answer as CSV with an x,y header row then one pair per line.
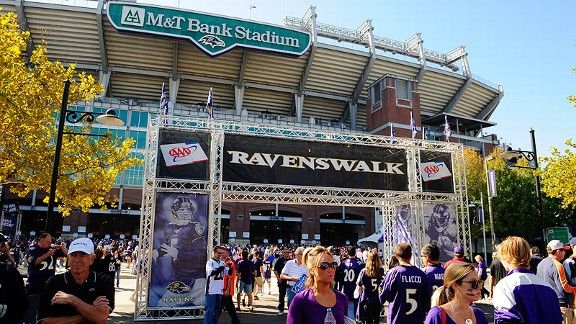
x,y
193,165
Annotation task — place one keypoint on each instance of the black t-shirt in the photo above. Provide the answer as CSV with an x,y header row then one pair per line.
x,y
279,265
497,271
258,264
534,260
97,284
13,300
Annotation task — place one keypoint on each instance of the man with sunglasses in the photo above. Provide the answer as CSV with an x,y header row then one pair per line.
x,y
552,272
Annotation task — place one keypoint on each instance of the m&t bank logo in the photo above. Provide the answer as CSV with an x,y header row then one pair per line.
x,y
133,16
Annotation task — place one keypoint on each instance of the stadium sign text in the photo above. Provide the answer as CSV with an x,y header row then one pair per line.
x,y
213,34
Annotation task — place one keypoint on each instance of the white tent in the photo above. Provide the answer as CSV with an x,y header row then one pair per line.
x,y
374,238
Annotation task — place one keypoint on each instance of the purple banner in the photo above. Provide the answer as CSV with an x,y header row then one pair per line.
x,y
441,230
404,225
178,275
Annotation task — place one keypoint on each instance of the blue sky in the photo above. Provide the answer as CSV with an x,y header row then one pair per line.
x,y
529,47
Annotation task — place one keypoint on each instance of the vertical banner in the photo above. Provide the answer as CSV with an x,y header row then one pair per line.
x,y
9,223
178,275
492,189
404,233
440,228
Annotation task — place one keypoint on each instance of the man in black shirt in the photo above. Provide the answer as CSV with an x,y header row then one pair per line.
x,y
535,259
278,266
78,295
13,299
497,272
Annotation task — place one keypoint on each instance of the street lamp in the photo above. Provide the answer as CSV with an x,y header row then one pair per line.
x,y
73,117
512,157
481,209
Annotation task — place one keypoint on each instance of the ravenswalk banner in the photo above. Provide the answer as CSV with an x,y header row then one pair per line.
x,y
252,159
183,154
440,228
180,242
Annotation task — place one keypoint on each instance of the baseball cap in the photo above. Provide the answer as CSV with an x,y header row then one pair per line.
x,y
554,245
83,244
573,241
458,250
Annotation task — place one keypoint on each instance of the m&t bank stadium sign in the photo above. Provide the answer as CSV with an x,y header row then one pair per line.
x,y
215,35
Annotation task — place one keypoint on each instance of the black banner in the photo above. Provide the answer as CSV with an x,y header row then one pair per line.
x,y
183,154
436,172
251,159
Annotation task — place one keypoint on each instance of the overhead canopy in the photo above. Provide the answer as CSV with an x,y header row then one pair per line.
x,y
464,123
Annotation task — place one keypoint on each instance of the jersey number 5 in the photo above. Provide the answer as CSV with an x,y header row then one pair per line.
x,y
411,301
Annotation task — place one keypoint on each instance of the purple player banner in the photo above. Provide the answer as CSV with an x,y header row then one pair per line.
x,y
404,226
178,275
440,223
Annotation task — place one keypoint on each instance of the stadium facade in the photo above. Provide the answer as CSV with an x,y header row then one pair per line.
x,y
364,84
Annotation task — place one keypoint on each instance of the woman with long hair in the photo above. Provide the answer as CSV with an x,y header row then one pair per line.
x,y
369,280
319,301
454,304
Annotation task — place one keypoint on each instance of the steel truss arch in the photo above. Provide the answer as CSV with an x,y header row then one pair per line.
x,y
220,191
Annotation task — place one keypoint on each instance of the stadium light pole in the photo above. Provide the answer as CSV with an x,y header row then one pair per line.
x,y
512,157
72,117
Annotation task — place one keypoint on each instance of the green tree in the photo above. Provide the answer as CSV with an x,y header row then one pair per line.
x,y
559,175
30,96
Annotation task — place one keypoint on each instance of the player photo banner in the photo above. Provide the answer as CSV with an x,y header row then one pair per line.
x,y
183,154
440,228
436,172
179,251
251,159
404,227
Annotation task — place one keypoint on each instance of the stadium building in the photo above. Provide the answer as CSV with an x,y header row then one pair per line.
x,y
336,79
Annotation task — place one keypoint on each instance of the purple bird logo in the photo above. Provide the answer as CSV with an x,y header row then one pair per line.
x,y
212,41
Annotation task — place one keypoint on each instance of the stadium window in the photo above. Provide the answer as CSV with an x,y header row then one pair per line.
x,y
403,89
376,95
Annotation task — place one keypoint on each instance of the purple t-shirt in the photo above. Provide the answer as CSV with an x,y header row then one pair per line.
x,y
434,316
370,285
435,275
349,270
245,269
304,308
408,291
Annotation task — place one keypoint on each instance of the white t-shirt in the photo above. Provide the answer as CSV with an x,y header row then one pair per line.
x,y
293,270
214,281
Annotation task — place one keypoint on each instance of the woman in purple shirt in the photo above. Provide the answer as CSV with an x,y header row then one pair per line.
x,y
369,280
460,290
312,305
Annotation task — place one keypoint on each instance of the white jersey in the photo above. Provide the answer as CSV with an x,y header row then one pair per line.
x,y
214,277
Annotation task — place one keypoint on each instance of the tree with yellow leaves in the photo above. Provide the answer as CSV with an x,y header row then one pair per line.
x,y
30,95
559,175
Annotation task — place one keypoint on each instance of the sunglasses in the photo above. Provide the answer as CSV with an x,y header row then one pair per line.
x,y
327,265
475,283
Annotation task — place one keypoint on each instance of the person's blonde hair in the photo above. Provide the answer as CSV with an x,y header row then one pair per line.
x,y
313,257
478,258
373,265
515,251
454,274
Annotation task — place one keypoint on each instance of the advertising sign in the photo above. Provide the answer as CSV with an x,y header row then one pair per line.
x,y
211,33
436,172
251,159
179,251
558,233
183,154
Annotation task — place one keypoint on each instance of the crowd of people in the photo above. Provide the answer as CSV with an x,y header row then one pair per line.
x,y
83,291
316,284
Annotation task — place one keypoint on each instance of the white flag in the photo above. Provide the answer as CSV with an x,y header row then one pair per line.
x,y
413,126
447,131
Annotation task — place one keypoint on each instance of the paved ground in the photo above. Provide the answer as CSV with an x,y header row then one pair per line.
x,y
264,309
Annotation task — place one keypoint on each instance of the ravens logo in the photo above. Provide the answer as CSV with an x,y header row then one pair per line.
x,y
178,287
212,41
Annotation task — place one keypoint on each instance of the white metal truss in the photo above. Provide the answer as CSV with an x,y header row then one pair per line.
x,y
220,191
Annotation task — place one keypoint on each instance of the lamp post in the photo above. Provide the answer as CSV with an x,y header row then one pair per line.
x,y
482,214
73,117
512,156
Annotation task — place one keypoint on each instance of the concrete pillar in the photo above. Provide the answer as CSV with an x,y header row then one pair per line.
x,y
238,98
299,103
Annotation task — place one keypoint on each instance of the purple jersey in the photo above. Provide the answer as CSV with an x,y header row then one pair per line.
x,y
435,316
408,291
245,269
38,274
435,273
304,308
349,270
370,285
